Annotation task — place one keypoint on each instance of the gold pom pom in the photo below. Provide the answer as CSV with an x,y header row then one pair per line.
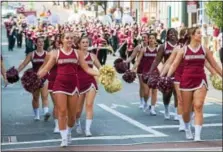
x,y
107,74
216,82
114,86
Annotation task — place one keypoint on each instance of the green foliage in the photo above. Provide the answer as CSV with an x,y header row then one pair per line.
x,y
214,10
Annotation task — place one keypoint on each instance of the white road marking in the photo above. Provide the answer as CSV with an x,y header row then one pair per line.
x,y
176,126
205,115
83,138
131,121
113,106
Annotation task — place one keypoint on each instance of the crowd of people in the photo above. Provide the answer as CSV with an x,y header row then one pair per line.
x,y
66,54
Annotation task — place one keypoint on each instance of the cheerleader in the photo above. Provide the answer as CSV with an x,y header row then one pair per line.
x,y
3,72
88,87
51,78
164,52
182,41
146,58
66,84
37,59
135,53
193,83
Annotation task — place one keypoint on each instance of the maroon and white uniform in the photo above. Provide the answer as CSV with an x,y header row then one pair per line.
x,y
168,49
87,81
140,66
67,67
51,78
178,72
149,56
38,59
193,76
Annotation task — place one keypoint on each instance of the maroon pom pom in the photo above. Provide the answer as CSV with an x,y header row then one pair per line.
x,y
129,76
153,80
30,81
118,60
12,75
165,84
121,67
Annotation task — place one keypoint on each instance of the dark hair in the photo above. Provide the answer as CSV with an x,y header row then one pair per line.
x,y
80,39
54,42
191,31
183,36
168,32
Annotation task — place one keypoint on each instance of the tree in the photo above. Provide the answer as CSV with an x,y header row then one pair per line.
x,y
103,4
214,10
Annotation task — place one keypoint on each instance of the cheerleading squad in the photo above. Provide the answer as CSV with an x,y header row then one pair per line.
x,y
66,69
183,65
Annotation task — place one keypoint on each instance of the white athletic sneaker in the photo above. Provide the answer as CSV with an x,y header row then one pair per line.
x,y
176,117
141,105
56,130
189,134
152,112
197,138
145,106
88,133
36,118
64,143
79,129
69,138
181,128
167,115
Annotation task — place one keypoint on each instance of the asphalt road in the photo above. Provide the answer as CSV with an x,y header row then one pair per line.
x,y
117,118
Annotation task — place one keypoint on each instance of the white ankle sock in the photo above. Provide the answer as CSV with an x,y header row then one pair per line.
x,y
45,110
56,123
63,133
181,121
88,124
69,130
141,100
152,107
197,130
187,125
166,108
36,111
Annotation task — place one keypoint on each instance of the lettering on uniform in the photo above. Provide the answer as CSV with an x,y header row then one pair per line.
x,y
149,55
190,57
89,62
38,60
168,51
64,61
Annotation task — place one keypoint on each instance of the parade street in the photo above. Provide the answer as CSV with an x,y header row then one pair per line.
x,y
118,122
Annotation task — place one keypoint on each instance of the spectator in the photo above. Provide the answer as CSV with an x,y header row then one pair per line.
x,y
118,16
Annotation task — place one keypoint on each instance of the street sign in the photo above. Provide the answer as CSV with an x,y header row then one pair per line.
x,y
191,7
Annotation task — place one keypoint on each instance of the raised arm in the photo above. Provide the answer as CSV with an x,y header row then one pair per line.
x,y
175,63
84,65
25,62
158,58
49,64
212,62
